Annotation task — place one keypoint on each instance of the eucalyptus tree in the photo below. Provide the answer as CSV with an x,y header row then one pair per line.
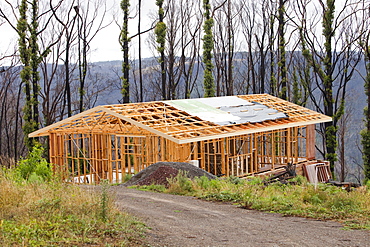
x,y
31,57
124,41
183,25
91,19
67,19
225,37
208,45
160,32
365,133
365,48
190,42
140,52
282,51
333,64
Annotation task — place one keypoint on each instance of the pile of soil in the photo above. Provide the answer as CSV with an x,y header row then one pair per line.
x,y
159,172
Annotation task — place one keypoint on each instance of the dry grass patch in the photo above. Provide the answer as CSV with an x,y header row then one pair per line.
x,y
57,214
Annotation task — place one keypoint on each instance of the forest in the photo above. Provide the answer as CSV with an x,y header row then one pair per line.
x,y
312,53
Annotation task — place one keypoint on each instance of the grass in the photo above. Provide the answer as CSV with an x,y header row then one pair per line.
x,y
325,202
58,214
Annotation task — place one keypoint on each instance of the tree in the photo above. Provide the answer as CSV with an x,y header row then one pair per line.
x,y
365,133
140,62
247,20
31,57
208,81
69,32
11,135
24,53
282,59
124,41
90,21
190,39
160,32
224,46
333,68
325,72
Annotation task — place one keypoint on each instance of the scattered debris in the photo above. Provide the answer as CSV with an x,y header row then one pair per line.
x,y
346,185
284,176
317,171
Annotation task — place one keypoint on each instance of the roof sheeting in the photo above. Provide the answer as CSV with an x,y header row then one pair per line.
x,y
184,121
227,110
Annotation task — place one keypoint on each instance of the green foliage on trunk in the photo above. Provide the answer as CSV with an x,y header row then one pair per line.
x,y
365,133
31,57
160,32
297,94
282,53
325,70
208,81
124,41
365,142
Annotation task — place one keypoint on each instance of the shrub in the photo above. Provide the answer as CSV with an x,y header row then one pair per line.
x,y
180,184
34,168
202,182
235,180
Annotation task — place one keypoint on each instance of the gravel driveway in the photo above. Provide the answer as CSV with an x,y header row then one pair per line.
x,y
187,221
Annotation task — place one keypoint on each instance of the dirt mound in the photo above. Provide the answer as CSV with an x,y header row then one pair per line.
x,y
160,176
159,172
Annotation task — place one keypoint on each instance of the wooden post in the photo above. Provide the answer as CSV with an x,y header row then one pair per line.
x,y
310,142
289,141
273,151
117,161
296,150
110,158
223,156
202,155
255,149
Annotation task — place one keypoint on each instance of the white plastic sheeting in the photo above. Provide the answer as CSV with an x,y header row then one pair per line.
x,y
226,110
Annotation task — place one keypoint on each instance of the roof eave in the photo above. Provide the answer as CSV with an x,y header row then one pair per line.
x,y
254,130
45,131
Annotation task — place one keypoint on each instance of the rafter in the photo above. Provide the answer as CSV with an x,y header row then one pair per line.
x,y
177,125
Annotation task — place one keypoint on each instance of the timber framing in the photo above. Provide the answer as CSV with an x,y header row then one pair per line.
x,y
107,142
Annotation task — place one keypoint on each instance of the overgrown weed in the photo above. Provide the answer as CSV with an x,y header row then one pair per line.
x,y
180,184
300,198
47,212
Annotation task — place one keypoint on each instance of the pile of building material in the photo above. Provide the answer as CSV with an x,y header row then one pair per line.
x,y
283,176
317,171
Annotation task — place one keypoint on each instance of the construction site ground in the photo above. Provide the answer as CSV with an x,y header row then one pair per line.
x,y
187,221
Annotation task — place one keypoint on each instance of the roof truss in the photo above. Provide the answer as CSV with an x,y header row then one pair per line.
x,y
169,122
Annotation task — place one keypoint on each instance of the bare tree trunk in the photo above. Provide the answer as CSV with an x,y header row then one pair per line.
x,y
140,62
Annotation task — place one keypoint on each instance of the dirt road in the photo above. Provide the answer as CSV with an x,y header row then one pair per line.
x,y
187,221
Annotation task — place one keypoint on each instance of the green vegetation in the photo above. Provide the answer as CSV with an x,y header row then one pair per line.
x,y
160,34
36,209
365,133
208,81
34,168
300,198
124,42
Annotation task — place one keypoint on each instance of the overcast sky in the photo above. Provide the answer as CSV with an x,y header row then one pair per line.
x,y
105,46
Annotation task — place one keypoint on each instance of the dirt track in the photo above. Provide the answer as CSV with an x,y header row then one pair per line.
x,y
187,221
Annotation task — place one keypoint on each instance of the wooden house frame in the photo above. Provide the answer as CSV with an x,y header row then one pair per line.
x,y
108,142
